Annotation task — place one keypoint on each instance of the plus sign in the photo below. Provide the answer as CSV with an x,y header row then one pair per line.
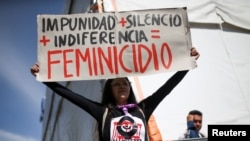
x,y
123,22
44,41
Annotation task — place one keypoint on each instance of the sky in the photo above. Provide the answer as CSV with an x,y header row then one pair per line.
x,y
21,94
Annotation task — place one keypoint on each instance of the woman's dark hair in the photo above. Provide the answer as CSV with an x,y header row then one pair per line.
x,y
108,98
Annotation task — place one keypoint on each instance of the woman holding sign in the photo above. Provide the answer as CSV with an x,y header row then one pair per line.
x,y
119,115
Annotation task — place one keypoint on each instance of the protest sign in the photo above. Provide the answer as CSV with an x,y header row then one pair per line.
x,y
107,45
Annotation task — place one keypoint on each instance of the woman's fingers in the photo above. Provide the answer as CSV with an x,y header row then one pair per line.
x,y
195,53
34,69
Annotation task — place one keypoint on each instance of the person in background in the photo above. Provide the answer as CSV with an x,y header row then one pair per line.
x,y
194,124
125,118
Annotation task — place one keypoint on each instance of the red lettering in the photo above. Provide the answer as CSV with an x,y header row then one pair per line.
x,y
134,58
65,62
156,64
86,57
169,55
110,60
115,59
50,62
94,61
140,57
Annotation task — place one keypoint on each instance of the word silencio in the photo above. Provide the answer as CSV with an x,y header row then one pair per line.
x,y
241,132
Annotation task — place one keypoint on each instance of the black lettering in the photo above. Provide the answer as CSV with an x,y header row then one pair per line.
x,y
93,37
95,23
140,23
130,22
62,40
64,22
103,24
72,25
71,40
84,36
112,38
111,22
164,16
52,25
82,24
133,36
102,37
177,20
156,19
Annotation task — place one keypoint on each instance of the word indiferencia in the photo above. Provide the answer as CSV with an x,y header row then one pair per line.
x,y
102,37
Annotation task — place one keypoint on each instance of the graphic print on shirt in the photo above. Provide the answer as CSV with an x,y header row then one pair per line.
x,y
127,128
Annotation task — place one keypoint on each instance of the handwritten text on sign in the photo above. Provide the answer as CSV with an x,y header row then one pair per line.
x,y
97,46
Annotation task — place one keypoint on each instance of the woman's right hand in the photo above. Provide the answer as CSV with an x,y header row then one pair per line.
x,y
34,69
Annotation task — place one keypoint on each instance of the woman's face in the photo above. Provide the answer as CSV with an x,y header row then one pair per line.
x,y
120,88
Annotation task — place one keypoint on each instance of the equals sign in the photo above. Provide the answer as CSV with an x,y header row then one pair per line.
x,y
155,34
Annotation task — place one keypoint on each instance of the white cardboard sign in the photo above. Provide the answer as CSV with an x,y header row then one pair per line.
x,y
107,45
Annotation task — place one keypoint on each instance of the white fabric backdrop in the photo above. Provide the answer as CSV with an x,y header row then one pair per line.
x,y
235,12
219,86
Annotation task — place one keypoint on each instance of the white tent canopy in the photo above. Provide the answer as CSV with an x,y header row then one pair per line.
x,y
219,86
199,11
